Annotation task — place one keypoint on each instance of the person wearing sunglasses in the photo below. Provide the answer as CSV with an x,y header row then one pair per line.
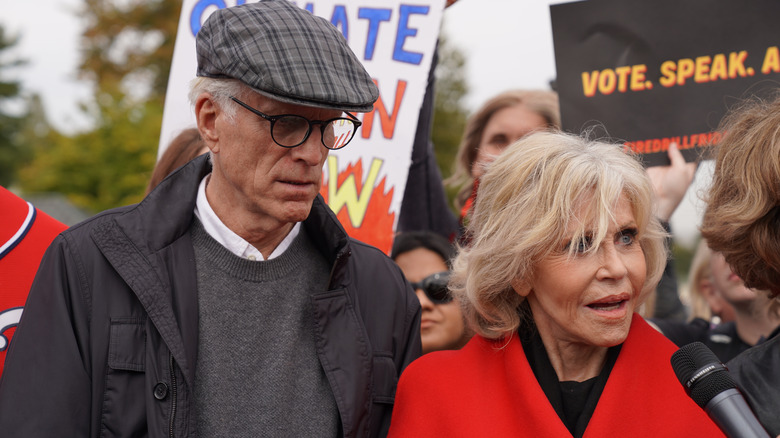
x,y
230,301
424,257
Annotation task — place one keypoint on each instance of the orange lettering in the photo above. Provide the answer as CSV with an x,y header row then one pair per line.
x,y
702,68
737,64
667,74
686,68
607,81
622,74
718,69
589,83
771,61
638,77
387,120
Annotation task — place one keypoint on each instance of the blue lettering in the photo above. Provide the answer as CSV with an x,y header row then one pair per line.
x,y
340,17
399,54
196,17
374,17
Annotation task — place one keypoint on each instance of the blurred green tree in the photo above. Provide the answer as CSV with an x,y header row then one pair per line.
x,y
12,154
103,168
128,45
127,48
449,113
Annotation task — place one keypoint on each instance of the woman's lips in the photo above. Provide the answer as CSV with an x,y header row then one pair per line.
x,y
427,323
606,307
611,303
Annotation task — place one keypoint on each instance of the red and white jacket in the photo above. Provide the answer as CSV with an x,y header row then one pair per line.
x,y
25,233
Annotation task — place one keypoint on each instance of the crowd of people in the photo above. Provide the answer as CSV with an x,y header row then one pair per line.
x,y
231,302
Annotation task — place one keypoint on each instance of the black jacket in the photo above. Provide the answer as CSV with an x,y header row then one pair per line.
x,y
722,339
757,372
108,340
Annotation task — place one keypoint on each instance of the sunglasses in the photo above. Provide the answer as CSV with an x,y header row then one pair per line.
x,y
435,287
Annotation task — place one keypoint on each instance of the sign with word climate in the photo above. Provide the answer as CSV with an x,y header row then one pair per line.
x,y
395,40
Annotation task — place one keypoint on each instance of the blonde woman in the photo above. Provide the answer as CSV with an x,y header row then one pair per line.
x,y
564,249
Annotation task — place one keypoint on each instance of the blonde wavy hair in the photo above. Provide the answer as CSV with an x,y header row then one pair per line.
x,y
698,272
742,217
525,204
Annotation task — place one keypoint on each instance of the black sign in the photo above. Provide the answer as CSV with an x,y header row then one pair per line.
x,y
648,73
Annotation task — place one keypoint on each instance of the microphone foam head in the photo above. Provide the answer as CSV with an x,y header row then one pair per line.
x,y
701,373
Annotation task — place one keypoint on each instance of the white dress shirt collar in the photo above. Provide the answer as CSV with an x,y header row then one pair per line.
x,y
226,237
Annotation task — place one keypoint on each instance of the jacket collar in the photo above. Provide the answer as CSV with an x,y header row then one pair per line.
x,y
159,214
331,240
165,214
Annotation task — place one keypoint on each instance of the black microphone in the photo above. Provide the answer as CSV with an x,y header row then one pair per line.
x,y
708,382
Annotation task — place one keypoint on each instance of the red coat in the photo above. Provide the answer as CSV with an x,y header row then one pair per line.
x,y
483,390
25,233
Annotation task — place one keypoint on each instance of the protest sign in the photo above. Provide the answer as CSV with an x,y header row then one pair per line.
x,y
364,182
652,73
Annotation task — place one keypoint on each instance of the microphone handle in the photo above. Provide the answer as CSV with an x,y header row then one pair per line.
x,y
732,414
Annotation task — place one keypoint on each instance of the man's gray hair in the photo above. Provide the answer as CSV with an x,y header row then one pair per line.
x,y
220,90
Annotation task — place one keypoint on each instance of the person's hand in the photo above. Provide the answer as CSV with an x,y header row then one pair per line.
x,y
671,182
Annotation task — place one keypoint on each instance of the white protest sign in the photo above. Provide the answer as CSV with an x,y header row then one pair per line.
x,y
363,183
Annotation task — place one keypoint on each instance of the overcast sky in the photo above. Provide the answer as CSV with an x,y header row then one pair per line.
x,y
508,44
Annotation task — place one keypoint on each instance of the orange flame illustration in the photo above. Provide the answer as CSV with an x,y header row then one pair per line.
x,y
376,227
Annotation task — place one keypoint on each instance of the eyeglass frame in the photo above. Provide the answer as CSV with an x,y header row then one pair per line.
x,y
434,279
323,123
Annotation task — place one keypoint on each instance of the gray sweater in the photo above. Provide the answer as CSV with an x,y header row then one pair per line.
x,y
257,371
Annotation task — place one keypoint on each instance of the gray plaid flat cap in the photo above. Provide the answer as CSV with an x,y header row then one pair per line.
x,y
286,53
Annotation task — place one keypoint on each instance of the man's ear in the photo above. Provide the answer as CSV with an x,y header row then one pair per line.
x,y
522,287
206,112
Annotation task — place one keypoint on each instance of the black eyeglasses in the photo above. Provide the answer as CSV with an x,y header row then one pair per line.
x,y
435,287
290,130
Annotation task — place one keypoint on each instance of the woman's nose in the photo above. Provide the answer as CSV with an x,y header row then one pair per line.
x,y
612,264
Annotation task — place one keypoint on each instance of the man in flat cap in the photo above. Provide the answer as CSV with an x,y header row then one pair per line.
x,y
230,301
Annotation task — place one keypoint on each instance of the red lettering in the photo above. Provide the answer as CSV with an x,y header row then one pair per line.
x,y
387,120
